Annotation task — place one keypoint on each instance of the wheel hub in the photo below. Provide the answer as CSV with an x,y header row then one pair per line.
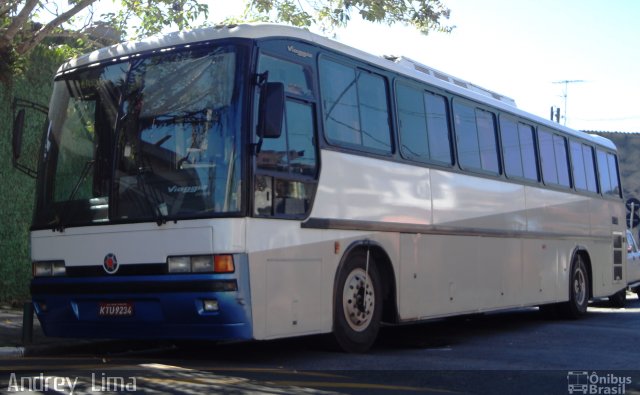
x,y
358,300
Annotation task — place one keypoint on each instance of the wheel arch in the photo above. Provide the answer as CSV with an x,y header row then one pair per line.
x,y
586,259
386,272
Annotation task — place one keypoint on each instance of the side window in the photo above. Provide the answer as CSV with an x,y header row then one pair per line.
x,y
286,167
579,173
414,143
608,173
296,77
294,151
355,107
528,152
438,128
584,174
476,138
553,154
590,168
424,125
513,166
518,149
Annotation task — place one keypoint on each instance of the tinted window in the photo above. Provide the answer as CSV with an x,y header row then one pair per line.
x,y
466,136
553,153
294,151
608,172
414,143
511,147
528,152
548,157
584,175
590,168
374,116
340,103
296,78
476,138
424,125
286,165
438,128
562,161
355,107
579,174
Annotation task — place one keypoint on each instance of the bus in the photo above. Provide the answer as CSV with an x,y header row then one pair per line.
x,y
253,182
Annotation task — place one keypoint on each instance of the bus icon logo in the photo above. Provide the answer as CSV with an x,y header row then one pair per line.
x,y
578,382
110,264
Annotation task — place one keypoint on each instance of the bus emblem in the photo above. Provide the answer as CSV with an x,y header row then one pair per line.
x,y
110,264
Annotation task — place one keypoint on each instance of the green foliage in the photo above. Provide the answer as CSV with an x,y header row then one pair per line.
x,y
156,15
17,191
424,15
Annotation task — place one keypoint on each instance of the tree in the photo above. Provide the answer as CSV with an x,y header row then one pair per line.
x,y
425,15
21,28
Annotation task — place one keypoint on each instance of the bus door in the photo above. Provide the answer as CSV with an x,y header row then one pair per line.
x,y
285,176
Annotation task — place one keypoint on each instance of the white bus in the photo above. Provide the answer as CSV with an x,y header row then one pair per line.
x,y
261,181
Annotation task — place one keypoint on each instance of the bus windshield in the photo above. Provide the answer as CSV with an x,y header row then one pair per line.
x,y
149,138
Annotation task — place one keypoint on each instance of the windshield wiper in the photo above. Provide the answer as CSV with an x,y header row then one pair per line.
x,y
60,220
157,205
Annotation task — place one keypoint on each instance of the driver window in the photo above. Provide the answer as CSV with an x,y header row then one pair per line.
x,y
286,166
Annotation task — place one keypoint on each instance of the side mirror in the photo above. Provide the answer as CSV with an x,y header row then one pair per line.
x,y
271,110
26,123
18,131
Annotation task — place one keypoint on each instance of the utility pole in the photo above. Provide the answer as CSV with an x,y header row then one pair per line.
x,y
564,94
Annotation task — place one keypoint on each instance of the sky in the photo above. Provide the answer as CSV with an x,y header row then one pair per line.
x,y
522,49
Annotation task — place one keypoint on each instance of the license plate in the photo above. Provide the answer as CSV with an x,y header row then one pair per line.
x,y
115,309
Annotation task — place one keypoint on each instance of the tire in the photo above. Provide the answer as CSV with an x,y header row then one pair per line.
x,y
618,299
357,304
579,287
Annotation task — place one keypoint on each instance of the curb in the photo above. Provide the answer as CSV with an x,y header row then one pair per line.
x,y
11,352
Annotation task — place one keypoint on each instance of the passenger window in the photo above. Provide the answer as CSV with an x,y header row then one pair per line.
x,y
438,128
584,175
553,153
608,172
355,107
590,168
476,138
518,149
414,143
528,152
424,125
579,174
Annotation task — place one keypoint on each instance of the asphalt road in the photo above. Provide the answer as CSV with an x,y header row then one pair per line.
x,y
511,352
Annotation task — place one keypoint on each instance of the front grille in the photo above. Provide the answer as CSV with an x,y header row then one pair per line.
x,y
123,270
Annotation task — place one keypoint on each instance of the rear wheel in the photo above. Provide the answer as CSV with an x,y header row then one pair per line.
x,y
357,304
578,290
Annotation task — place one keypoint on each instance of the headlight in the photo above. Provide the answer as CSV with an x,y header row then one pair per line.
x,y
179,264
49,268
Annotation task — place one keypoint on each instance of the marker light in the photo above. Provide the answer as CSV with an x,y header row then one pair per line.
x,y
223,264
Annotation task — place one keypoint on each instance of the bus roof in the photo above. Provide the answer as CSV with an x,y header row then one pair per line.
x,y
401,65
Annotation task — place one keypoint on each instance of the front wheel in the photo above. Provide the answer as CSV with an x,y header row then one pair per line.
x,y
357,304
578,290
